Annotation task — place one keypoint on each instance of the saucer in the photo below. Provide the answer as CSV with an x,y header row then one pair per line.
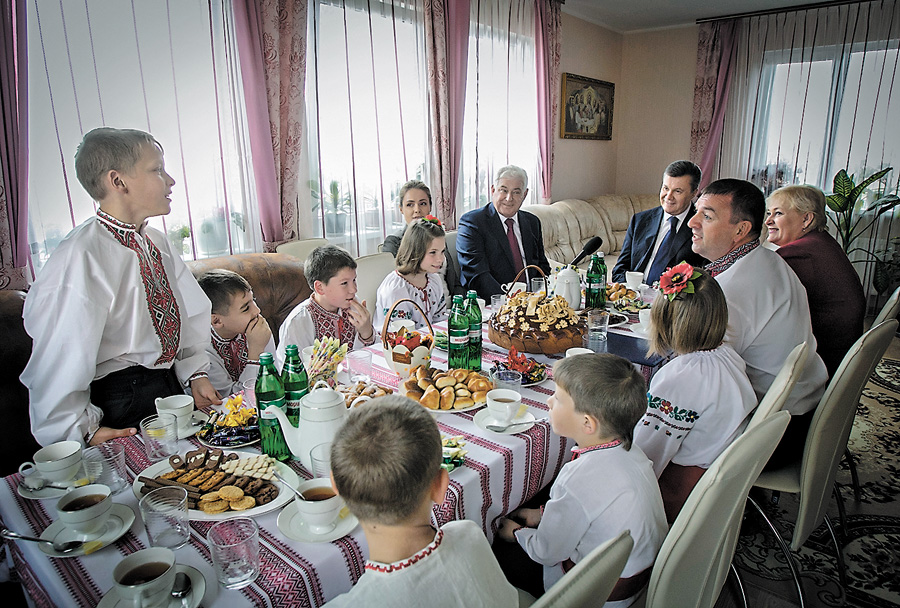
x,y
292,525
120,519
638,330
197,420
198,588
41,494
483,418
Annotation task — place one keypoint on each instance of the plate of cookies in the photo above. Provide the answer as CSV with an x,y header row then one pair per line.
x,y
221,484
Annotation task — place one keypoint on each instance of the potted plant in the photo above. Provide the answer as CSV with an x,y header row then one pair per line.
x,y
177,236
847,218
335,203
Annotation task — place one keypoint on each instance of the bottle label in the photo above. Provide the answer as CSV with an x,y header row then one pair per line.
x,y
594,285
265,405
463,339
475,332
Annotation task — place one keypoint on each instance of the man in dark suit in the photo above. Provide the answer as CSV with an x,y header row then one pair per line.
x,y
498,240
649,247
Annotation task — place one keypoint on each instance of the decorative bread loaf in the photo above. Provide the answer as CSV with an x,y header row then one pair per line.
x,y
534,323
455,389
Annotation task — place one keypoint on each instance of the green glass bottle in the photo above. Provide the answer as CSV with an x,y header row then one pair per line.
x,y
295,381
473,310
269,394
595,292
458,334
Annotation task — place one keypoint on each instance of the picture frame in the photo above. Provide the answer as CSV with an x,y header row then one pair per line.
x,y
586,108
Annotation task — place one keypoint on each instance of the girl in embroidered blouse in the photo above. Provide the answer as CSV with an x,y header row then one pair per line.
x,y
419,260
700,401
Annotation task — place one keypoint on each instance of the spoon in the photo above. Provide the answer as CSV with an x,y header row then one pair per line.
x,y
65,547
499,428
286,484
182,587
36,484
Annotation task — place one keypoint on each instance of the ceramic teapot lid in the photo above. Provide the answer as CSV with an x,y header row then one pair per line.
x,y
322,396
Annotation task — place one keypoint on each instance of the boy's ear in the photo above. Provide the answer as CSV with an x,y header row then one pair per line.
x,y
439,486
319,287
114,181
216,320
590,425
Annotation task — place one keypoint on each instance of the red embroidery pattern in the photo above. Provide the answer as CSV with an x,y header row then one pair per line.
x,y
396,566
161,302
726,261
576,451
333,325
233,352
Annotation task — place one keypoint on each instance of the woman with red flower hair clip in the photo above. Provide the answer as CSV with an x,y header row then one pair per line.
x,y
699,402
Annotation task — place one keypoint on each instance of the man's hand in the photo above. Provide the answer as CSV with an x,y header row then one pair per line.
x,y
361,319
507,527
203,392
258,335
529,517
105,433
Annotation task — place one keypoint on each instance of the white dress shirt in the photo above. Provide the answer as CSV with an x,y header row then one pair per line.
x,y
664,228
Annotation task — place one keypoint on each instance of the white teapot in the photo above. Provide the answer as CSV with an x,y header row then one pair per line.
x,y
568,285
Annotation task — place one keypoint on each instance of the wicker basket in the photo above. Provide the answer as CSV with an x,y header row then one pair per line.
x,y
400,358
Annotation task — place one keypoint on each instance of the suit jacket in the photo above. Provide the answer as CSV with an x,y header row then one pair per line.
x,y
392,246
640,238
485,260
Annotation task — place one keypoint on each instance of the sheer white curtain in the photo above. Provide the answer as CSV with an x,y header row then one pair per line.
x,y
367,117
501,106
162,66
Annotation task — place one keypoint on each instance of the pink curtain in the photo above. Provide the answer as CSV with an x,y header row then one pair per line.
x,y
447,41
14,146
272,45
547,48
715,50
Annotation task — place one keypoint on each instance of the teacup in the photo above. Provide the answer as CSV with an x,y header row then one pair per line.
x,y
633,280
503,404
56,462
577,350
306,356
516,288
644,318
85,509
182,406
395,325
146,577
322,505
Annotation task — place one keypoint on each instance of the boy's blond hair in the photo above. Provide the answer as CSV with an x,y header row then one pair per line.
x,y
606,387
416,241
690,321
107,149
385,458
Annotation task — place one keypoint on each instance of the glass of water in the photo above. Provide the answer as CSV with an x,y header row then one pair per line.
x,y
234,546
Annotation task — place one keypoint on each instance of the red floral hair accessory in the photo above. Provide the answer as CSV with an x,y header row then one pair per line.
x,y
678,279
433,220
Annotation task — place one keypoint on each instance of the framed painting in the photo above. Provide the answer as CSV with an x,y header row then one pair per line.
x,y
587,108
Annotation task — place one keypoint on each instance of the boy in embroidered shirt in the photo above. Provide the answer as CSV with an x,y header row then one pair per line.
x,y
240,334
608,487
332,309
386,464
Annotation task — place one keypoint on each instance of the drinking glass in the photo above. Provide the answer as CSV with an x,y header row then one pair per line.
x,y
105,463
320,456
249,387
508,379
359,366
234,546
537,284
160,433
165,515
597,324
497,302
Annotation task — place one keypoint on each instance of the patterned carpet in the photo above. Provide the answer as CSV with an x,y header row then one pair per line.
x,y
871,540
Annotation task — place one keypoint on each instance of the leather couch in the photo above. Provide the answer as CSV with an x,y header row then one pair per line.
x,y
278,285
568,224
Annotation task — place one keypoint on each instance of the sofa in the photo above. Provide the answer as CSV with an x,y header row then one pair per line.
x,y
568,224
278,285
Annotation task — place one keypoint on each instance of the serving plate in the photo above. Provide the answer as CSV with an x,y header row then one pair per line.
x,y
284,495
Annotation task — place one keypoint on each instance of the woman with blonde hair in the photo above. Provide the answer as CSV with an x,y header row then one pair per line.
x,y
796,223
416,277
699,402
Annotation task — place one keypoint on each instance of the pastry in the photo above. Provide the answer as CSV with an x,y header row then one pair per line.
x,y
448,396
431,399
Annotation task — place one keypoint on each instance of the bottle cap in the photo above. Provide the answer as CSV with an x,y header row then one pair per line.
x,y
265,358
457,299
291,349
472,294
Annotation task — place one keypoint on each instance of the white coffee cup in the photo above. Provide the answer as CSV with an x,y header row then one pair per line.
x,y
182,406
146,577
85,509
306,356
395,325
644,317
503,404
516,288
319,514
577,350
633,280
56,462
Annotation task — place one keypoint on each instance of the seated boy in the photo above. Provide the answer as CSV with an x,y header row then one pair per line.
x,y
386,464
116,316
240,334
332,310
609,486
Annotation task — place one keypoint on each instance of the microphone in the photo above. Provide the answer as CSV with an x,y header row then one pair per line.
x,y
590,247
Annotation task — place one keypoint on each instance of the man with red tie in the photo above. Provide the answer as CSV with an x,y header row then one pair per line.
x,y
496,241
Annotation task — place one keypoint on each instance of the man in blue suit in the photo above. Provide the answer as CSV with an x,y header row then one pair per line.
x,y
650,244
498,240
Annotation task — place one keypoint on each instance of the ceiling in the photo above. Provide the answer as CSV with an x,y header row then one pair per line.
x,y
635,15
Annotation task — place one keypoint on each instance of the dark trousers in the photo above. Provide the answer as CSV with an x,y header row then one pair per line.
x,y
129,395
790,448
520,570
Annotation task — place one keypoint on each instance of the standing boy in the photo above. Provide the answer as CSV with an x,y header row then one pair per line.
x,y
116,317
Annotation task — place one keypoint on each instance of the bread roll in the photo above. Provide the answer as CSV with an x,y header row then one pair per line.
x,y
479,384
479,396
445,381
447,398
431,399
460,374
463,402
415,394
410,385
424,383
462,392
421,372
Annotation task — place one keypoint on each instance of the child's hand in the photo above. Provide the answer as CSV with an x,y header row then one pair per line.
x,y
507,528
529,517
203,392
361,319
258,335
